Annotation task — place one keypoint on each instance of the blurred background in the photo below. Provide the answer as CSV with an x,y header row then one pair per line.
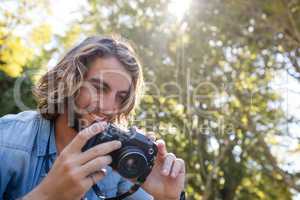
x,y
222,80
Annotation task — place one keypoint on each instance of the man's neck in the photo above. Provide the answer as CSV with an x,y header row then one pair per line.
x,y
63,133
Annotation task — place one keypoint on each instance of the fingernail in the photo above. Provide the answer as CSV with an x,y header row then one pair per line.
x,y
118,144
160,142
173,175
95,127
165,172
103,123
103,170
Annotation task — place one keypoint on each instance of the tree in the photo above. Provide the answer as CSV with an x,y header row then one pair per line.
x,y
215,69
208,84
21,56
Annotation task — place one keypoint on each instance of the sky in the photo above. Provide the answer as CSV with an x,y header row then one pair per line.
x,y
63,12
289,88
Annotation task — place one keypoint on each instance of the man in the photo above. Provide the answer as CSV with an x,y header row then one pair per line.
x,y
96,82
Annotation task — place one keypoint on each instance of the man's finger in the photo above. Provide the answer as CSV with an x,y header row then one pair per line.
x,y
83,136
178,166
168,163
162,150
92,179
95,165
99,150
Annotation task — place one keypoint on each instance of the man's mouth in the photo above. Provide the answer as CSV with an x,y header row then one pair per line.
x,y
97,118
85,121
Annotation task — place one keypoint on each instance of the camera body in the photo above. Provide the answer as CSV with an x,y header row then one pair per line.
x,y
136,156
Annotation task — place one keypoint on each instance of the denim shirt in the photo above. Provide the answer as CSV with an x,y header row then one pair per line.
x,y
23,142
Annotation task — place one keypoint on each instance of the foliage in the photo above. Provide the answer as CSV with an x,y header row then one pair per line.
x,y
22,56
209,82
215,67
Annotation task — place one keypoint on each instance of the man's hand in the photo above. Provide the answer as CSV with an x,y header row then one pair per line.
x,y
166,180
74,172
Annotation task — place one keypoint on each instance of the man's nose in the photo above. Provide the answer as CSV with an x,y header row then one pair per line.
x,y
109,105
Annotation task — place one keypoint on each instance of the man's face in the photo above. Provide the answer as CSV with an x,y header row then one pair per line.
x,y
106,86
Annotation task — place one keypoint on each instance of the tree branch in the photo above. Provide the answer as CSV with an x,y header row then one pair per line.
x,y
217,162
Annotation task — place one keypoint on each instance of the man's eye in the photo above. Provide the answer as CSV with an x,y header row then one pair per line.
x,y
122,98
101,88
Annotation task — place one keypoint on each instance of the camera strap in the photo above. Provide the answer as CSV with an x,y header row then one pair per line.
x,y
133,189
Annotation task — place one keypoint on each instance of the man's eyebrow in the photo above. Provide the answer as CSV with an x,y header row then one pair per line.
x,y
98,81
124,91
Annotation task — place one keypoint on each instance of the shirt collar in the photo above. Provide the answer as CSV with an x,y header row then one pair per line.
x,y
45,129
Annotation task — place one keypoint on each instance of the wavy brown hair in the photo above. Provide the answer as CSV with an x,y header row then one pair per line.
x,y
65,79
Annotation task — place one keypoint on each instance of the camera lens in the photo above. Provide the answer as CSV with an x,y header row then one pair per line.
x,y
132,164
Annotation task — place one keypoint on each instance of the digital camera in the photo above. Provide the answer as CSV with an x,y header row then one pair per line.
x,y
136,156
